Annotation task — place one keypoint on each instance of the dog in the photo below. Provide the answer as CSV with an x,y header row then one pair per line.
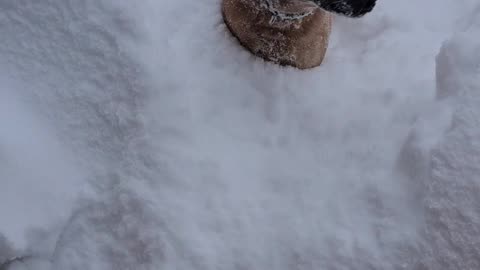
x,y
288,32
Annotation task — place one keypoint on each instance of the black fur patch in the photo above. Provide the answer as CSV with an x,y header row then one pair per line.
x,y
349,8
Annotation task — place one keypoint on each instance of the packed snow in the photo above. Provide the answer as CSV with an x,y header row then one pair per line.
x,y
141,135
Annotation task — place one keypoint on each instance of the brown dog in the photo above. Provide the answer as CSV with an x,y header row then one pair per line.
x,y
287,32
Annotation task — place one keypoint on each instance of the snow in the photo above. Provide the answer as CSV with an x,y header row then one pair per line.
x,y
451,188
142,136
37,179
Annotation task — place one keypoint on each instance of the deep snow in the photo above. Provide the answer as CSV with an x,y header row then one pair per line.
x,y
142,136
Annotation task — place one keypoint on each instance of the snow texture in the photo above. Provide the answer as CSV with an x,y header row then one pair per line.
x,y
142,136
451,183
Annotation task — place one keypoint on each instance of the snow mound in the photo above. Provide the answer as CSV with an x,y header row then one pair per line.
x,y
202,156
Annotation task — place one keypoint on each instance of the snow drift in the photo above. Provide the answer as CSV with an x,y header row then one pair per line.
x,y
201,156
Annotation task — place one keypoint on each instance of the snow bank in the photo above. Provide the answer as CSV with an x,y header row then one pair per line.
x,y
449,177
205,157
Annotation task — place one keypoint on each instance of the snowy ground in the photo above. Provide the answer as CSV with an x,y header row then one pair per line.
x,y
142,136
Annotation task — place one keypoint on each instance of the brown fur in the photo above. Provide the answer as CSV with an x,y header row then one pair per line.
x,y
290,32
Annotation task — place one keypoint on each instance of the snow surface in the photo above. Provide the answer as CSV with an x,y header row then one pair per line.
x,y
140,135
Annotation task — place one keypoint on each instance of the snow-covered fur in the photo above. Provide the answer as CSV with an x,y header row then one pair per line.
x,y
287,32
350,8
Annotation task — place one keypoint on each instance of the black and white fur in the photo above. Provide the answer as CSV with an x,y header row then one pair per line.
x,y
349,8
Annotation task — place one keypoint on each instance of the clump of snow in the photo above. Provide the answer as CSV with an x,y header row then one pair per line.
x,y
202,156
